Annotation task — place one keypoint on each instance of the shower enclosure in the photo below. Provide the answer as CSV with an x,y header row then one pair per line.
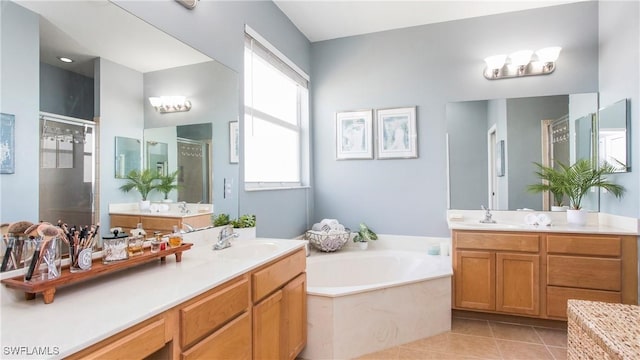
x,y
67,170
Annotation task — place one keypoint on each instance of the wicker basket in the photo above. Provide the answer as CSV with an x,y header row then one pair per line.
x,y
327,242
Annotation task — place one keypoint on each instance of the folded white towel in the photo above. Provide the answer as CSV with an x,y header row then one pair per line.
x,y
537,219
544,220
531,219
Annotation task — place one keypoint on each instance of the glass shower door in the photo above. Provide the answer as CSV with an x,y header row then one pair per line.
x,y
67,171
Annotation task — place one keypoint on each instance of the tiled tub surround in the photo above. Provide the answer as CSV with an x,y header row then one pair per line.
x,y
87,313
364,301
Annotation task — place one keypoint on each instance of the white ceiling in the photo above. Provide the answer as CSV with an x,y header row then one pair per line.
x,y
324,20
84,30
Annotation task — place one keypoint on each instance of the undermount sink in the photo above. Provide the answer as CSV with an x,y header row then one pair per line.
x,y
496,225
248,249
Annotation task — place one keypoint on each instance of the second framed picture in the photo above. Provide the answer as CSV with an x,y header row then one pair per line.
x,y
353,135
397,133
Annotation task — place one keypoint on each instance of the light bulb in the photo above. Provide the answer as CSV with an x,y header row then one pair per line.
x,y
521,58
548,54
495,62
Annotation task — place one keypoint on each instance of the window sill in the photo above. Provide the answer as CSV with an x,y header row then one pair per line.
x,y
252,189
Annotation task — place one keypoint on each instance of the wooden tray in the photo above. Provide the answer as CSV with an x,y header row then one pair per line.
x,y
48,287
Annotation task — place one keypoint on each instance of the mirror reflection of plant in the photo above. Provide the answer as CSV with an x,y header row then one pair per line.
x,y
168,183
143,181
221,220
553,182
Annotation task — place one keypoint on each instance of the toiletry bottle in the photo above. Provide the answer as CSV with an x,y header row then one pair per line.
x,y
136,241
175,239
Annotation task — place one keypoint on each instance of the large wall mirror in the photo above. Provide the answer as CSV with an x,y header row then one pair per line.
x,y
493,144
614,140
103,30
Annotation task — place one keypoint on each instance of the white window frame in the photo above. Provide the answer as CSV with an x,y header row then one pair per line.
x,y
302,127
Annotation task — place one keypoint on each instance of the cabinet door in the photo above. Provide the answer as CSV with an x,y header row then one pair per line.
x,y
268,341
232,341
518,283
474,278
295,315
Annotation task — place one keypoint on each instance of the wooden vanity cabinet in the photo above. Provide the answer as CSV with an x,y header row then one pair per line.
x,y
279,310
497,272
590,267
163,224
534,274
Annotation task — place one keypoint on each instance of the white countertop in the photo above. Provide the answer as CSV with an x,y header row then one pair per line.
x,y
597,223
88,312
161,209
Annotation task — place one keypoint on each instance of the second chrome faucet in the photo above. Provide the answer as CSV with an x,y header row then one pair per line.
x,y
224,238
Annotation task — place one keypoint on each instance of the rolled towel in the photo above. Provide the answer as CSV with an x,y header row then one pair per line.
x,y
316,227
329,222
531,219
544,220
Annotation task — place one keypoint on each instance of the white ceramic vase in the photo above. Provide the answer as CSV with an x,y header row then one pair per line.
x,y
576,217
558,208
245,233
363,245
145,205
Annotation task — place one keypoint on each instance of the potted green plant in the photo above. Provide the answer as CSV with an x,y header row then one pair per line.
x,y
363,236
221,220
144,182
245,226
580,178
168,183
576,180
553,182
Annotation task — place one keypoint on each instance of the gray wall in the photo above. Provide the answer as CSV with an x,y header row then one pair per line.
x,y
19,86
66,93
523,118
429,66
216,28
620,78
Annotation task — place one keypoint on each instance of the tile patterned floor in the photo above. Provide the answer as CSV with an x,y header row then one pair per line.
x,y
482,339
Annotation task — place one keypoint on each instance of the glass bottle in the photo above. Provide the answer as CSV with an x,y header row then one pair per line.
x,y
136,241
175,239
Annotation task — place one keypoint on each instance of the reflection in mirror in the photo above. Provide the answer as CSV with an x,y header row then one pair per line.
x,y
127,156
158,157
613,137
188,149
536,129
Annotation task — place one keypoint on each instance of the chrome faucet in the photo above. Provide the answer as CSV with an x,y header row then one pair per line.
x,y
183,207
188,227
226,234
487,216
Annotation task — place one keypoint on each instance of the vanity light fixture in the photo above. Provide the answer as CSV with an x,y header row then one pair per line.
x,y
169,104
522,63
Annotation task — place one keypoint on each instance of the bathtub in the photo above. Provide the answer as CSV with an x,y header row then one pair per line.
x,y
360,302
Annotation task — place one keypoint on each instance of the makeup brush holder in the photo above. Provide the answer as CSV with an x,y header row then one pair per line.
x,y
42,257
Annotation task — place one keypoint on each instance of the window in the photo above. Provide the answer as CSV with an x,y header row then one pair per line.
x,y
276,114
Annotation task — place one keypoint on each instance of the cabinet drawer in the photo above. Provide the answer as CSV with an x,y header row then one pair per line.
x,y
137,344
584,272
158,223
557,298
124,221
274,276
584,245
497,241
233,341
212,311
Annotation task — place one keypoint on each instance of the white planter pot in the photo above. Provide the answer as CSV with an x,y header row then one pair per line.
x,y
145,205
363,245
577,217
558,208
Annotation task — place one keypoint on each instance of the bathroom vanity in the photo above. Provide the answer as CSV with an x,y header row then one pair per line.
x,y
246,301
533,271
128,216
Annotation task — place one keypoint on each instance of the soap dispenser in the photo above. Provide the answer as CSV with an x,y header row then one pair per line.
x,y
175,239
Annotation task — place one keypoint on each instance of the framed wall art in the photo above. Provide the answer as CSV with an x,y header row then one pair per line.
x,y
354,135
397,134
234,144
7,143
